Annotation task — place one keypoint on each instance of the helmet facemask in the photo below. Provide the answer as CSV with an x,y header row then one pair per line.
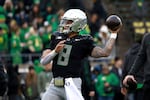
x,y
65,26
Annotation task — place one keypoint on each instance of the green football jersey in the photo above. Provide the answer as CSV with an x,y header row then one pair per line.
x,y
3,42
16,49
36,42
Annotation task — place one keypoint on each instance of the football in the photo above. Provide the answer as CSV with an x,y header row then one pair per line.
x,y
131,84
113,22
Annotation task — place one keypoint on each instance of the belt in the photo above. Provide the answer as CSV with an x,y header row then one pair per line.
x,y
60,81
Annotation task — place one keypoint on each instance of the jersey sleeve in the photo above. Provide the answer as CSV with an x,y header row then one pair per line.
x,y
89,45
52,42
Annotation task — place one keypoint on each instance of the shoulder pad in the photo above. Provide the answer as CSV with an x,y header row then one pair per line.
x,y
87,37
58,35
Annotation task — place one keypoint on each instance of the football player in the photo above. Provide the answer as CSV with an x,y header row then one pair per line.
x,y
67,49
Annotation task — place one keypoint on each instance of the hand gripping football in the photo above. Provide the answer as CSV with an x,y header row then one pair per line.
x,y
113,22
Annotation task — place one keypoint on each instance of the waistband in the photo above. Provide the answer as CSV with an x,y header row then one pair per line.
x,y
67,76
77,78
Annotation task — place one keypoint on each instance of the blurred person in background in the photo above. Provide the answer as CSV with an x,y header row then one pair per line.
x,y
10,10
21,15
94,24
95,71
128,61
34,43
13,84
4,34
3,42
44,79
24,30
38,67
139,9
106,82
31,85
49,10
45,34
34,13
4,46
99,9
60,13
2,17
39,22
28,5
13,26
117,69
3,20
15,45
23,37
43,5
102,36
53,21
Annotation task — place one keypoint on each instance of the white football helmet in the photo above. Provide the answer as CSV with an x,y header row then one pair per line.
x,y
73,20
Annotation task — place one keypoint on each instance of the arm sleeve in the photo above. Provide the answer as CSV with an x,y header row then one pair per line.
x,y
140,58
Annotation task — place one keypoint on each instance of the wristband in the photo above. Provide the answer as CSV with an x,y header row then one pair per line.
x,y
113,35
47,59
53,53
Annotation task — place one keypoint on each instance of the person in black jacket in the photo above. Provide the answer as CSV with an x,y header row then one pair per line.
x,y
128,61
142,60
13,84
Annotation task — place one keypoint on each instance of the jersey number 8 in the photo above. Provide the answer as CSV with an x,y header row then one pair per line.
x,y
63,57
